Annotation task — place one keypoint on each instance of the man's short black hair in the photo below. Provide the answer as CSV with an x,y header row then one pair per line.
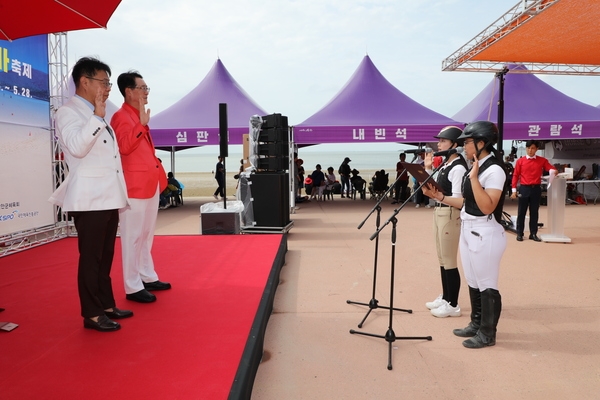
x,y
127,80
88,66
530,143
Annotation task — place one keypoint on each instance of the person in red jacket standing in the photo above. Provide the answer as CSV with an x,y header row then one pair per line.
x,y
528,171
145,179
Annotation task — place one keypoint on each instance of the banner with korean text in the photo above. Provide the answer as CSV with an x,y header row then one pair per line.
x,y
25,138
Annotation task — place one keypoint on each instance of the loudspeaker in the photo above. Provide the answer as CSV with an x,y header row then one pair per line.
x,y
271,199
273,144
223,139
274,121
273,164
277,149
273,135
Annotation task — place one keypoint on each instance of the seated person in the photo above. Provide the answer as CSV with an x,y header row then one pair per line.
x,y
318,183
372,183
358,183
172,190
380,183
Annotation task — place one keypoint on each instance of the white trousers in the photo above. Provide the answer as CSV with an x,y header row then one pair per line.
x,y
137,222
482,244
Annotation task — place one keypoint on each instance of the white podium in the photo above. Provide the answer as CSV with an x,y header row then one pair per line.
x,y
557,193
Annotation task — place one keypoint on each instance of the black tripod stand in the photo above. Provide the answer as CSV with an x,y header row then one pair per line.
x,y
390,335
374,303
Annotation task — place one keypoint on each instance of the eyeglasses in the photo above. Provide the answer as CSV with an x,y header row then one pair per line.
x,y
144,88
105,82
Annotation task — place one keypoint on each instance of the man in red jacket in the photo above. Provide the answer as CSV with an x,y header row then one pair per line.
x,y
528,172
145,179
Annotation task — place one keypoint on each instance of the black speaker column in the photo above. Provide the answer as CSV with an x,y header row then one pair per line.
x,y
223,136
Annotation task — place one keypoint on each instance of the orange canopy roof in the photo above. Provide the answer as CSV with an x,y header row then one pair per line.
x,y
548,36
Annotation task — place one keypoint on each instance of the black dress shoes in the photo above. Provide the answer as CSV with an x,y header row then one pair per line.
x,y
104,324
157,285
118,314
519,238
535,238
143,296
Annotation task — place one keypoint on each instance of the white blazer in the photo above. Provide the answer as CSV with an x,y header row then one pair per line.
x,y
95,179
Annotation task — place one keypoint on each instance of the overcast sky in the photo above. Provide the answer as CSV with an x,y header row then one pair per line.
x,y
293,56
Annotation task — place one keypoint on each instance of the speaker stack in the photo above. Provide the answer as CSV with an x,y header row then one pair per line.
x,y
270,184
273,144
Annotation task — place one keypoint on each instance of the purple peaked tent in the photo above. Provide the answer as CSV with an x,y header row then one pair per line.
x,y
370,109
533,109
194,120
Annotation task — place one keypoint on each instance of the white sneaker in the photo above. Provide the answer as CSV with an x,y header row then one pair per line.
x,y
216,197
446,310
417,206
436,303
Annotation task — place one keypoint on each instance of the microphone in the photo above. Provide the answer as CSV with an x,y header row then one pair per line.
x,y
448,152
418,151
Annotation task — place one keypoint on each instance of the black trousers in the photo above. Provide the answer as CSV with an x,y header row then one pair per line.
x,y
529,197
221,188
401,189
96,234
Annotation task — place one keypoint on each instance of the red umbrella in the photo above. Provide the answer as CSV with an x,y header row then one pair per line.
x,y
36,17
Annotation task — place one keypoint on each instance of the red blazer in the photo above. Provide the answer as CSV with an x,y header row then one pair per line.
x,y
143,171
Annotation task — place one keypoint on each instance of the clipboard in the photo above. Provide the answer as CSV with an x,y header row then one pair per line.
x,y
419,173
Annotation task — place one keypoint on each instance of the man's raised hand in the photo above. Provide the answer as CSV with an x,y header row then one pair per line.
x,y
144,114
100,103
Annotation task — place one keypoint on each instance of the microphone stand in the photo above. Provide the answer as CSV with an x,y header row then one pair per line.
x,y
390,335
374,303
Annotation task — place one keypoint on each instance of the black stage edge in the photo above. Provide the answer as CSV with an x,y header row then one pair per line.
x,y
244,378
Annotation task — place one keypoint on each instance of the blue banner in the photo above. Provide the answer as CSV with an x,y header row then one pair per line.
x,y
24,82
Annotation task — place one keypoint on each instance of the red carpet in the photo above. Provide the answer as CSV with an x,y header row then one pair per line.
x,y
186,345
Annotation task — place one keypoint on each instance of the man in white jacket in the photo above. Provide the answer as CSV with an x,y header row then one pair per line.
x,y
93,191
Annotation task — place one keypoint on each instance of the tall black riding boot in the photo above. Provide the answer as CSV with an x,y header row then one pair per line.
x,y
491,306
473,327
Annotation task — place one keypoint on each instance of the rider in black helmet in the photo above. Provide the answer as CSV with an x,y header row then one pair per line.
x,y
482,238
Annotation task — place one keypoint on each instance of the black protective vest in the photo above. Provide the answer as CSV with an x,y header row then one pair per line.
x,y
470,205
442,178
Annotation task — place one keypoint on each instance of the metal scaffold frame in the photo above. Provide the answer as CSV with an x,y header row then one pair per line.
x,y
58,75
521,13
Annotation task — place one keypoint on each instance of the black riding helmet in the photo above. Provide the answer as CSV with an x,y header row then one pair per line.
x,y
485,131
451,133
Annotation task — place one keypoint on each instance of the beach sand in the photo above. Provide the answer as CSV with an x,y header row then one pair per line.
x,y
203,184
